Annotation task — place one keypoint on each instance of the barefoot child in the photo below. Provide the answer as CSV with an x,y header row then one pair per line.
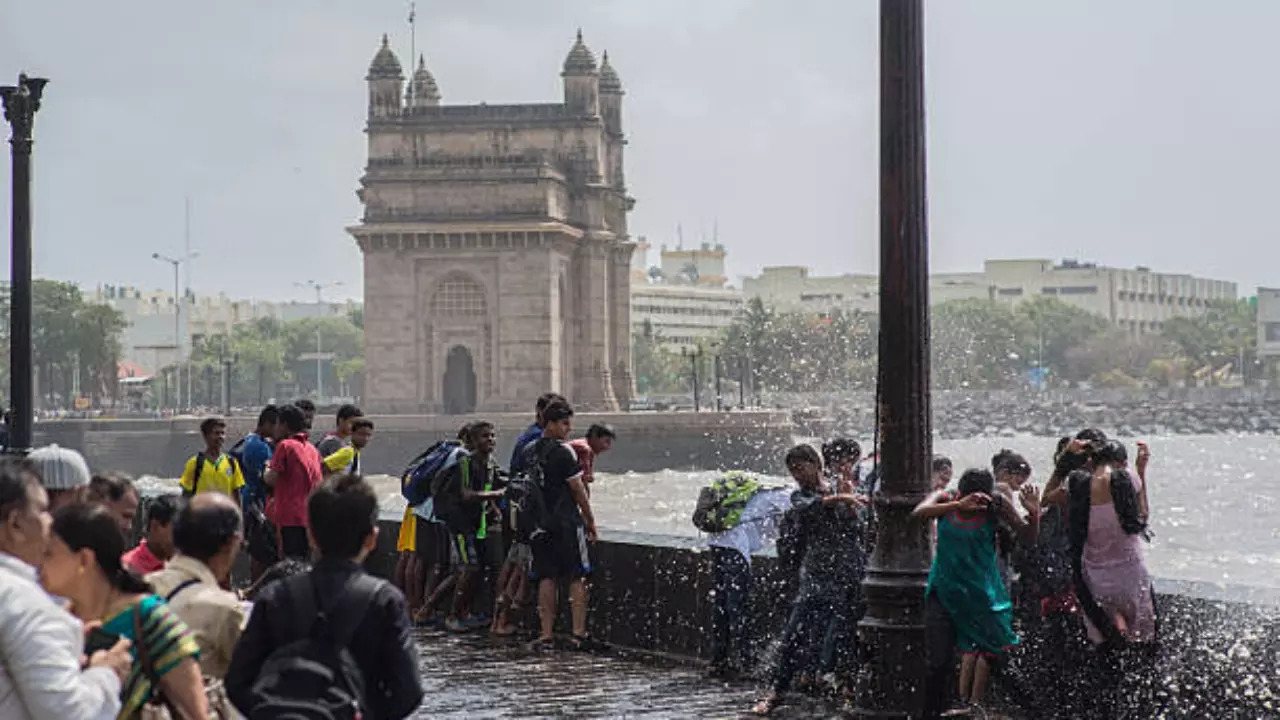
x,y
965,578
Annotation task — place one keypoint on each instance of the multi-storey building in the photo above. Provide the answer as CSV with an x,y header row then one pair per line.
x,y
1269,328
1137,300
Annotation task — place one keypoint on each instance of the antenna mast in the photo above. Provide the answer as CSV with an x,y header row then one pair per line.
x,y
413,46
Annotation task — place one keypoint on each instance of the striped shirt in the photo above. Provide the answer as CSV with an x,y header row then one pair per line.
x,y
168,640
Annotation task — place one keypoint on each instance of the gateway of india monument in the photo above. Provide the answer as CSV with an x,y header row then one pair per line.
x,y
496,255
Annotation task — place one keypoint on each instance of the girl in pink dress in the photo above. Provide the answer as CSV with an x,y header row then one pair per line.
x,y
1107,520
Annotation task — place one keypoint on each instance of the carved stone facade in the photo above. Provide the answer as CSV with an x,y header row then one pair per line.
x,y
496,254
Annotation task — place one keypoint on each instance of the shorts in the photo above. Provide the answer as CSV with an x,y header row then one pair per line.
x,y
433,543
294,544
464,551
407,541
520,555
563,555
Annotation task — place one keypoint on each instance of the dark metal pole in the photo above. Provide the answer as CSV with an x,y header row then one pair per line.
x,y
716,367
899,566
20,105
742,383
697,396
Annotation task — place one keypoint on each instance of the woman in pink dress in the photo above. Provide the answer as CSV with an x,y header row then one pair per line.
x,y
1107,521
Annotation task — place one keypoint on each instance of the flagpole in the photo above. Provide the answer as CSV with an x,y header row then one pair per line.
x,y
413,46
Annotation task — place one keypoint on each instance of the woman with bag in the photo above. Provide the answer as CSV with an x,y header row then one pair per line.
x,y
83,565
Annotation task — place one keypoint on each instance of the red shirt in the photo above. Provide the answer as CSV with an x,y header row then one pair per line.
x,y
297,466
141,561
586,459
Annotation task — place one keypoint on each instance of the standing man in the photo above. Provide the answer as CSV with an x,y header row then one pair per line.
x,y
340,436
466,488
346,458
255,453
294,471
599,440
533,432
212,470
562,554
157,546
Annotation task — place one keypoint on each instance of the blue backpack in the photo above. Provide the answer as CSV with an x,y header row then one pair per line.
x,y
415,483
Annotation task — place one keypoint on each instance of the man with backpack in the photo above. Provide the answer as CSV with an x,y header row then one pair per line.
x,y
461,494
334,639
253,453
294,471
212,470
340,436
567,525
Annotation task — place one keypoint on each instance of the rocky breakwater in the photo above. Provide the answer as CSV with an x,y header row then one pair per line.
x,y
963,415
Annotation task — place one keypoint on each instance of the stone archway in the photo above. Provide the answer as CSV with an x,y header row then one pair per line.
x,y
459,382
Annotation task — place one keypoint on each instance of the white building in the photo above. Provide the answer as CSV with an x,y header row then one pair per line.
x,y
684,300
149,339
1137,300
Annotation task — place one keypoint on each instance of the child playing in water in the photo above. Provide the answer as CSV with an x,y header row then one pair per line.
x,y
965,578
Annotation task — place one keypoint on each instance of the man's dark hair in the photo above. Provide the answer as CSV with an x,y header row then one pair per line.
x,y
293,419
163,508
361,423
803,452
941,462
840,449
601,431
464,432
304,405
349,411
270,415
343,511
208,425
202,532
475,430
1092,435
110,487
556,411
15,478
286,568
546,399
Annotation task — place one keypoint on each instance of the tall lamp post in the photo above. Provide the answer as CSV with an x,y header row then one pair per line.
x,y
178,302
693,356
318,287
21,102
898,569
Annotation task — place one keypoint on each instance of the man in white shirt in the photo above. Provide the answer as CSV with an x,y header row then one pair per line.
x,y
41,645
731,553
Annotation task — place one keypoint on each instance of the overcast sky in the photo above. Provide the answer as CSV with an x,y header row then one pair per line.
x,y
1123,131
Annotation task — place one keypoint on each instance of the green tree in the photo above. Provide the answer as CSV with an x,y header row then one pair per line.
x,y
977,344
1226,332
657,369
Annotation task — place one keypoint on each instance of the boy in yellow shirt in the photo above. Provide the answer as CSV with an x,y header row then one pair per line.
x,y
347,459
212,470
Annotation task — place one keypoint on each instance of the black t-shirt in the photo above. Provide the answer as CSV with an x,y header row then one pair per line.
x,y
465,518
559,467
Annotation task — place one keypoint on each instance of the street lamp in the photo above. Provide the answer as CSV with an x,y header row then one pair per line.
x,y
178,302
21,102
896,685
318,287
693,356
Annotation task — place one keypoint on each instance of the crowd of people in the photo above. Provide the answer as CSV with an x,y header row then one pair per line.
x,y
93,628
1062,567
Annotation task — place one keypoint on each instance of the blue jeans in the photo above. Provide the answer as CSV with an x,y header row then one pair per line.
x,y
839,650
731,612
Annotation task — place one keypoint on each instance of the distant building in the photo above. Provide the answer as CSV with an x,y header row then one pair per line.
x,y
686,300
1136,300
148,341
1269,328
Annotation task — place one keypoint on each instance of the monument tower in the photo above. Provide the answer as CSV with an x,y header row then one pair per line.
x,y
496,254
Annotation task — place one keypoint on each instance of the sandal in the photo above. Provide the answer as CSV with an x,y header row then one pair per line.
x,y
584,643
541,645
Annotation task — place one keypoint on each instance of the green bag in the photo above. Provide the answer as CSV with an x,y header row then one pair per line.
x,y
721,503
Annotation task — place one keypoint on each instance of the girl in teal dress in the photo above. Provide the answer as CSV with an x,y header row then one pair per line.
x,y
965,577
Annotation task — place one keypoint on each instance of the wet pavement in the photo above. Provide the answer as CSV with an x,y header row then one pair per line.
x,y
469,676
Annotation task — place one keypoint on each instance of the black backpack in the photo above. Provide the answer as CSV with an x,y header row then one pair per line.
x,y
316,677
526,495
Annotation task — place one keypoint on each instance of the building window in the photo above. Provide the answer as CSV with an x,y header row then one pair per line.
x,y
1048,291
1078,290
1010,292
1273,332
458,296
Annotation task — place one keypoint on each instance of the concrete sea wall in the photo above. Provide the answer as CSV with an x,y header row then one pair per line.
x,y
646,441
1219,654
